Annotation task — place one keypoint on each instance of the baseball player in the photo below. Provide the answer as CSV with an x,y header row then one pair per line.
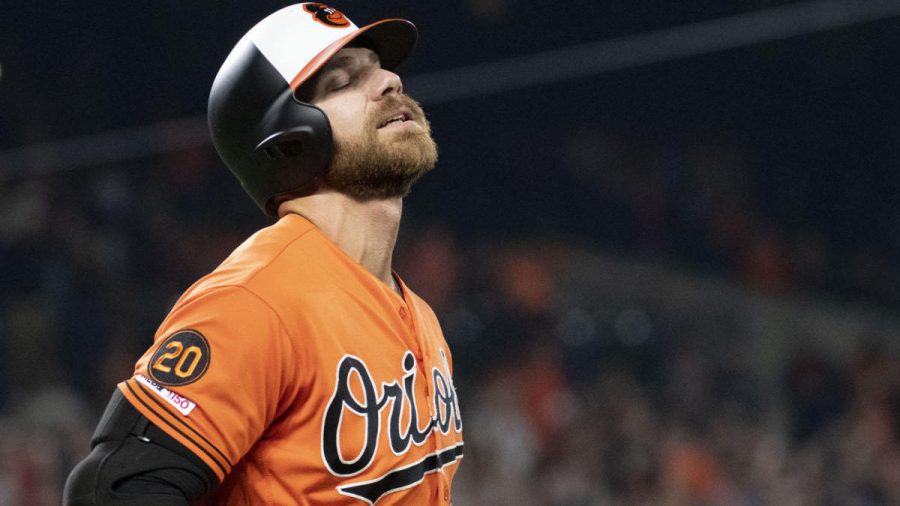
x,y
302,370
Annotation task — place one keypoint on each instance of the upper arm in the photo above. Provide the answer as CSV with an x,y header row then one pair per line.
x,y
133,462
217,375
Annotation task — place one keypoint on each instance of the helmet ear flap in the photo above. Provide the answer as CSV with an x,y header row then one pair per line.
x,y
286,144
290,155
289,160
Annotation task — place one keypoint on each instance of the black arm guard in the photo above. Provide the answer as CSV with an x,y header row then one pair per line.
x,y
134,462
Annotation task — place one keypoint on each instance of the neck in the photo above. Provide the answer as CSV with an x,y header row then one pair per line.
x,y
366,231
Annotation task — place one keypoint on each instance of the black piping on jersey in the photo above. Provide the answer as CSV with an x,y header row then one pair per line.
x,y
189,428
403,478
186,436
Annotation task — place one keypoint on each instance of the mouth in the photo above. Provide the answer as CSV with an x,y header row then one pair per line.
x,y
400,117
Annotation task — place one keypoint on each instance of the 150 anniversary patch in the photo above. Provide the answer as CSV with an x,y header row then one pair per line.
x,y
181,359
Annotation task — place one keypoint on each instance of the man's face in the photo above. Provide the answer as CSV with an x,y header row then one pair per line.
x,y
382,140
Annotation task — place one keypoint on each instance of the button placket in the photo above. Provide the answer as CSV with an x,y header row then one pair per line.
x,y
423,362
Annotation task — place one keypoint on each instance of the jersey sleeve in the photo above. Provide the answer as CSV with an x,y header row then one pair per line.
x,y
217,375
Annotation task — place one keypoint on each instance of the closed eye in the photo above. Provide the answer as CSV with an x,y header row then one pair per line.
x,y
341,72
338,81
323,85
338,85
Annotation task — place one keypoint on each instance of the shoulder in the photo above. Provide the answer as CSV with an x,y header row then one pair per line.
x,y
284,267
263,251
292,250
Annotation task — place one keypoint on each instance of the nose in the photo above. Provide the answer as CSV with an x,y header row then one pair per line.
x,y
385,82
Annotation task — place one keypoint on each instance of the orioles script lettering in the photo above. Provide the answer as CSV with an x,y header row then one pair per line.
x,y
399,397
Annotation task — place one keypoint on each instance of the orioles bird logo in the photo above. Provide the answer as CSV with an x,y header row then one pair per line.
x,y
326,15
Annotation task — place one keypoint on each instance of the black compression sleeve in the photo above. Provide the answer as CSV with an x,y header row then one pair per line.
x,y
134,462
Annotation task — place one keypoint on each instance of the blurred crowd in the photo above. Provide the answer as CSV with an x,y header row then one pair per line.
x,y
619,440
568,398
578,396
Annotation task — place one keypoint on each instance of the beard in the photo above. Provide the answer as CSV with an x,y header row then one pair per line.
x,y
379,165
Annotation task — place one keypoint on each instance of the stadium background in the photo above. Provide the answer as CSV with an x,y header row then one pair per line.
x,y
669,271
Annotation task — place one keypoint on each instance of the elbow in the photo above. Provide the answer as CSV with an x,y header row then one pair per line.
x,y
81,485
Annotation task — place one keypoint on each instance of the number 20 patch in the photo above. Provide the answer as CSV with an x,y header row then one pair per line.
x,y
181,359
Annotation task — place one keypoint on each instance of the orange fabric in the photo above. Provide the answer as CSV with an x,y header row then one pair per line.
x,y
320,384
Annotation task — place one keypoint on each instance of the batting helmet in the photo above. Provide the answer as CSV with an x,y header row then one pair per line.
x,y
273,142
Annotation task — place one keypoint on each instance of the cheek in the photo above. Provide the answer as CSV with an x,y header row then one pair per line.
x,y
347,120
345,128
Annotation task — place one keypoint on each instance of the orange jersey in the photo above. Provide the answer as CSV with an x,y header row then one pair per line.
x,y
300,378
